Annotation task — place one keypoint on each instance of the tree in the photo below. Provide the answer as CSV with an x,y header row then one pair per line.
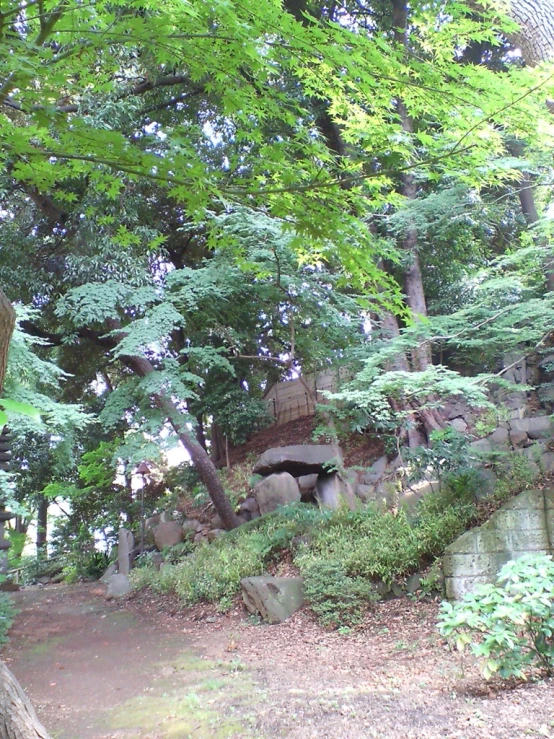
x,y
18,719
535,35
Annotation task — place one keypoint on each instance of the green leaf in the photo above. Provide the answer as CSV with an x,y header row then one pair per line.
x,y
24,409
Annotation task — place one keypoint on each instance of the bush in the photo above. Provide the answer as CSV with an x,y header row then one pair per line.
x,y
510,624
336,598
7,613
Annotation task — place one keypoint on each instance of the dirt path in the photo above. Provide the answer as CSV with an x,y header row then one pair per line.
x,y
98,670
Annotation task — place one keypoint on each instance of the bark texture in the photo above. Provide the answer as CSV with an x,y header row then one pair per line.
x,y
7,325
535,37
18,719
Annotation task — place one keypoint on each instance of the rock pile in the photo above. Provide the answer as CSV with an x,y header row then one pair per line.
x,y
305,472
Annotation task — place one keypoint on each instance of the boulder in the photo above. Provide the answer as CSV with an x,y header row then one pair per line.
x,y
458,424
487,483
110,570
411,497
306,484
250,505
191,526
387,493
499,436
335,490
413,583
537,427
250,509
482,446
365,492
302,459
273,598
168,534
157,560
276,490
547,462
374,473
518,438
455,407
151,522
118,586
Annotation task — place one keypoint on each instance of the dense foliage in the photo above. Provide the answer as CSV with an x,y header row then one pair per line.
x,y
199,200
508,625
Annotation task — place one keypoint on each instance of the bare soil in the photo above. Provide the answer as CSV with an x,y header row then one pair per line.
x,y
150,670
359,449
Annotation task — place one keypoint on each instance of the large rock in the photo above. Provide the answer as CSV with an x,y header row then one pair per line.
x,y
334,491
118,586
374,473
276,490
250,509
538,427
108,573
273,598
168,534
523,525
303,459
307,484
191,526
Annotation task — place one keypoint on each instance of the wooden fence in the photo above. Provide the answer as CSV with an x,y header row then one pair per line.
x,y
291,399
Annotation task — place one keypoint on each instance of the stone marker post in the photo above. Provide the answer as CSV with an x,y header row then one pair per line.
x,y
5,457
126,546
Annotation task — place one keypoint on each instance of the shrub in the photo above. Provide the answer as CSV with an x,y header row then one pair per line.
x,y
340,553
7,613
336,598
510,624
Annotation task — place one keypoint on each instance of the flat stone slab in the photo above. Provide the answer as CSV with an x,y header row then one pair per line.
x,y
274,598
298,460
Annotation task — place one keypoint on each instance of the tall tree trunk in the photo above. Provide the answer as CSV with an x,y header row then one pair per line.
x,y
42,526
535,36
199,456
529,210
200,435
7,325
413,280
18,719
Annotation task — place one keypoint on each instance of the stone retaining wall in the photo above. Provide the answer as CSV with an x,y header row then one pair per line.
x,y
524,525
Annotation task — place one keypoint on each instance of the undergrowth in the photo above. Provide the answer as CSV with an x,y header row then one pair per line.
x,y
7,613
341,554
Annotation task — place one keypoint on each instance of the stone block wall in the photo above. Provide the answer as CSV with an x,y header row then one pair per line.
x,y
523,525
